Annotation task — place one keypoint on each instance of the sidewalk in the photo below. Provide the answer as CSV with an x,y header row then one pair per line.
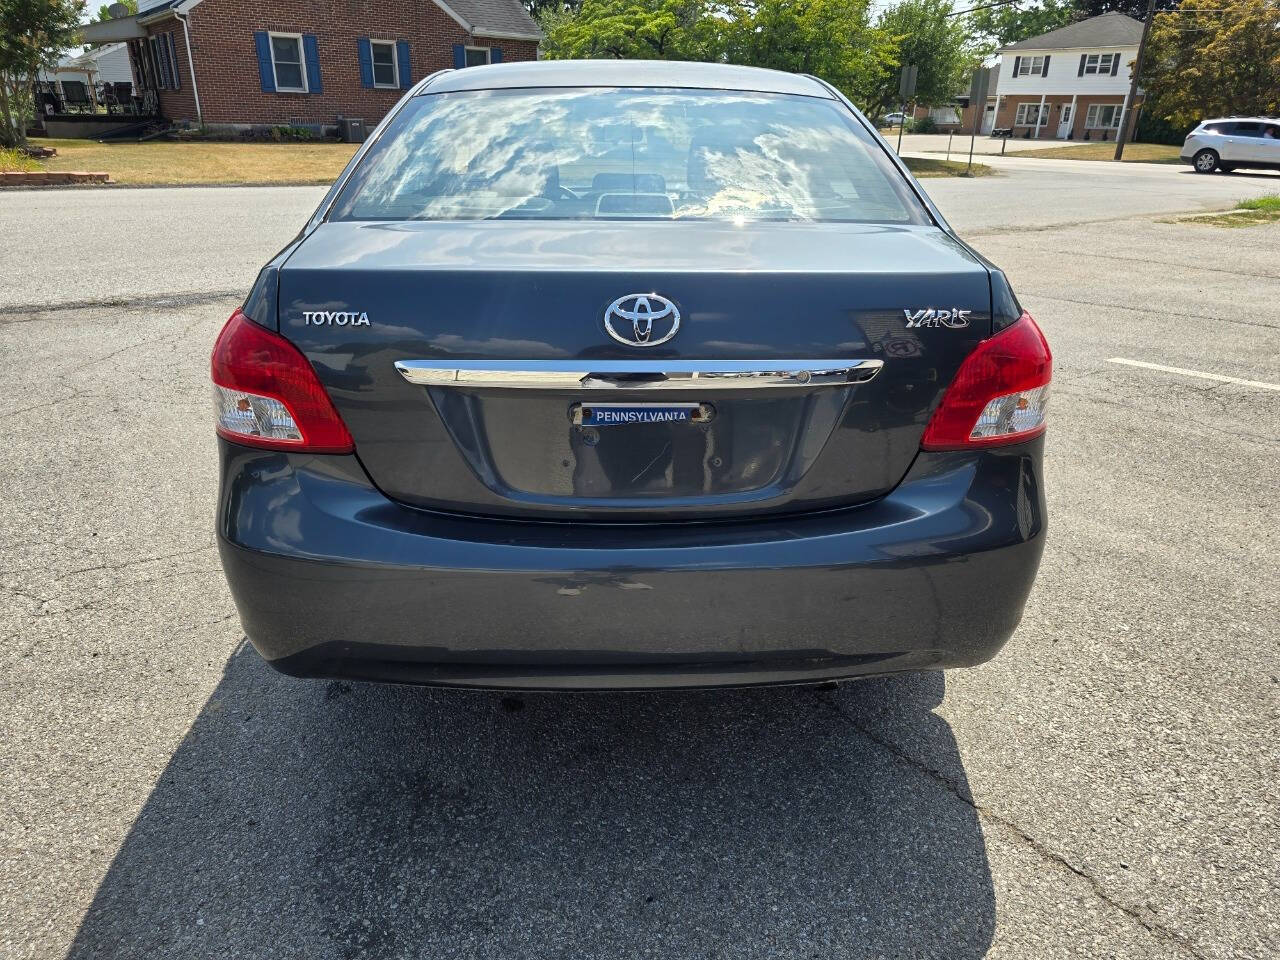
x,y
934,143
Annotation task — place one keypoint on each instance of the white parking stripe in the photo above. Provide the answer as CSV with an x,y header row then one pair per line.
x,y
1194,373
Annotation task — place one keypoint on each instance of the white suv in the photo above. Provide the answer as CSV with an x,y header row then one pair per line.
x,y
1232,142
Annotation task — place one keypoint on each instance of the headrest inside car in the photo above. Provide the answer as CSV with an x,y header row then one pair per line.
x,y
623,182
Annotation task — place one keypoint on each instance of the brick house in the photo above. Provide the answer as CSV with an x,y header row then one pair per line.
x,y
1069,83
239,64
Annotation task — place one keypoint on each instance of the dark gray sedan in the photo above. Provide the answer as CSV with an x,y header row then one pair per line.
x,y
628,375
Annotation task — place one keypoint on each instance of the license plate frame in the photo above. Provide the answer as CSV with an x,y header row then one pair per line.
x,y
639,414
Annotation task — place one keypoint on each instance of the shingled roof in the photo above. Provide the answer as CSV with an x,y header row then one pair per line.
x,y
493,18
1107,30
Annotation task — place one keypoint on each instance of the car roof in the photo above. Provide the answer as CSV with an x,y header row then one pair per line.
x,y
1241,119
625,73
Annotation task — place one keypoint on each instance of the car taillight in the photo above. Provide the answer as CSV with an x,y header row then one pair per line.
x,y
266,395
999,394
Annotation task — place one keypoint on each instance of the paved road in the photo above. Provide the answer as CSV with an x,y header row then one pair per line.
x,y
1106,787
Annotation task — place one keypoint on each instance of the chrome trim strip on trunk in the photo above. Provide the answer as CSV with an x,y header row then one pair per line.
x,y
638,375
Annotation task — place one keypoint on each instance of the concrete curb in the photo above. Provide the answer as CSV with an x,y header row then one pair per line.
x,y
50,178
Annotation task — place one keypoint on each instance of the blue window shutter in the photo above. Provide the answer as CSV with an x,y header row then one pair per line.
x,y
495,54
265,73
365,53
173,59
1044,70
1016,62
311,54
402,55
459,56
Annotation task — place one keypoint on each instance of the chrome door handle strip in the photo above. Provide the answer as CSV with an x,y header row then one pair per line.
x,y
640,375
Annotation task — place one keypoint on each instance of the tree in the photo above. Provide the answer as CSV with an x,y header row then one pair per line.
x,y
1214,58
1010,23
926,34
1132,8
104,11
832,39
632,30
32,35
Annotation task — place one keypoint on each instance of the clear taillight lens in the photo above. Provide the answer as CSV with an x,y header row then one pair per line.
x,y
1012,415
243,414
999,395
267,395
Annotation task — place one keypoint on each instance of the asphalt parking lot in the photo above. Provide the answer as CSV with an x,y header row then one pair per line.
x,y
1106,787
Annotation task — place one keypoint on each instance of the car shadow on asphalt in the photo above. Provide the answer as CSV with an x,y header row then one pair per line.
x,y
313,819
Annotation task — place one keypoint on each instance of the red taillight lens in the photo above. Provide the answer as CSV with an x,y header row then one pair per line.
x,y
999,395
266,394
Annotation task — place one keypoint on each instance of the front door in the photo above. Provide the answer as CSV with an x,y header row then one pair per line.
x,y
989,118
1064,122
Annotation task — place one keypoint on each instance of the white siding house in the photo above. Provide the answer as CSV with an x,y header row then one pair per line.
x,y
1070,83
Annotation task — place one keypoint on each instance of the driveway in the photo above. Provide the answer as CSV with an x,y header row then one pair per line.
x,y
1105,787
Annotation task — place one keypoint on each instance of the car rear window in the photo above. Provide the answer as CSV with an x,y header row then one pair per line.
x,y
607,153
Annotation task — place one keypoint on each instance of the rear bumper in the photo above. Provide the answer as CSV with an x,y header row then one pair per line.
x,y
331,578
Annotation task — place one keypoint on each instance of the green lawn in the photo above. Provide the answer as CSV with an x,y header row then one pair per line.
x,y
168,162
177,162
1248,213
945,168
1133,152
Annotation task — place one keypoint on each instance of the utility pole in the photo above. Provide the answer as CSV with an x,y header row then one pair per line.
x,y
906,91
1127,111
979,87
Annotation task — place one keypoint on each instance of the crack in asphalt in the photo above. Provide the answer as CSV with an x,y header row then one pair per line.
x,y
1167,263
1091,396
28,312
1157,930
1164,313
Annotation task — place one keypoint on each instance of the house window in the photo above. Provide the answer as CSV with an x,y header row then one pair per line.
x,y
1100,63
286,61
1031,65
477,56
1031,115
386,73
1103,116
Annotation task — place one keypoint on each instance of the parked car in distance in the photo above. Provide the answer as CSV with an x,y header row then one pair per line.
x,y
1233,143
894,119
589,374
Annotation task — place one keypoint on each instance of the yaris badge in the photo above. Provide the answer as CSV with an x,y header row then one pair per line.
x,y
955,318
642,320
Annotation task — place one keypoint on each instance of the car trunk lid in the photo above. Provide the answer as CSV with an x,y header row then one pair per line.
x,y
803,372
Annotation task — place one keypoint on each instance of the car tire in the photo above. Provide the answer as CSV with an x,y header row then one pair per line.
x,y
1205,161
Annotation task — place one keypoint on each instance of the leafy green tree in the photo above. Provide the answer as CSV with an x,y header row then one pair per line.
x,y
1214,58
831,39
104,11
632,30
32,35
1010,23
1133,8
926,34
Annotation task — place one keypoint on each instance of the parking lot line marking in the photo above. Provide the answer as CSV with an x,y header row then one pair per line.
x,y
1195,373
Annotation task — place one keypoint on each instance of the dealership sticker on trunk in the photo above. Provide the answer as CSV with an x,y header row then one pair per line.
x,y
623,414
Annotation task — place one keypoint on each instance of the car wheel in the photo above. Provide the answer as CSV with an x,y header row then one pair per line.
x,y
1205,161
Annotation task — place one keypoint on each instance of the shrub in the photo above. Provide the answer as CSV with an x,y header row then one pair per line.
x,y
294,134
16,160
